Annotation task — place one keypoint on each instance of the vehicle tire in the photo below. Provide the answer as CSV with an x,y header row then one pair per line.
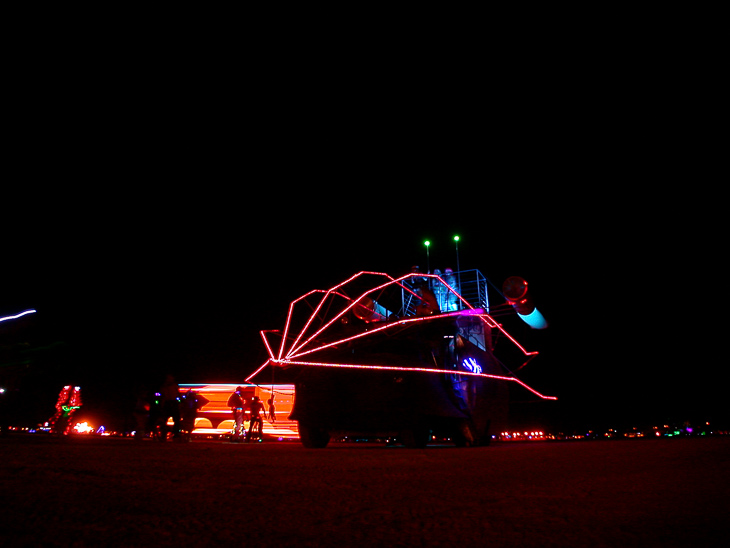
x,y
464,435
313,437
486,437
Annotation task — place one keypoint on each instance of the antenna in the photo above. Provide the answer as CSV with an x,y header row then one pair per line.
x,y
427,243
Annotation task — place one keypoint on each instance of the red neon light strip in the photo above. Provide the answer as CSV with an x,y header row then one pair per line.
x,y
289,315
377,329
491,323
313,315
291,306
462,299
294,348
266,342
415,369
392,281
252,375
316,311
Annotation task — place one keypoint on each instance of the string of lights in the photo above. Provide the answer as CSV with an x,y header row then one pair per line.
x,y
292,349
413,370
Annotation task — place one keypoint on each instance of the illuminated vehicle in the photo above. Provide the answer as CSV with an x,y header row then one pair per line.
x,y
410,357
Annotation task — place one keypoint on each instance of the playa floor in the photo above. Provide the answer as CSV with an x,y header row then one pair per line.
x,y
91,491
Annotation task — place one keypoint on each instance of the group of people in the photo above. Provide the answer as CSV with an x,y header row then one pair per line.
x,y
152,412
238,405
435,296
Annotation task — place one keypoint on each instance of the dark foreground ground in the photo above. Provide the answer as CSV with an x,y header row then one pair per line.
x,y
117,492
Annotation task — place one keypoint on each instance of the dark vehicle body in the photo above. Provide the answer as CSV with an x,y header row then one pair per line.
x,y
423,372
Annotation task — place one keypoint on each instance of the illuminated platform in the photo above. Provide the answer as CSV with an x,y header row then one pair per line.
x,y
215,418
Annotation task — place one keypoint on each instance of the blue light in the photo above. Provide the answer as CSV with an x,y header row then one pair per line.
x,y
472,365
534,319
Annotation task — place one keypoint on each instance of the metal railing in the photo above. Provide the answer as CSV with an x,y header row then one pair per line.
x,y
469,284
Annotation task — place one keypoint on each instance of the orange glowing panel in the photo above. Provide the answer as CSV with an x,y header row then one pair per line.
x,y
216,418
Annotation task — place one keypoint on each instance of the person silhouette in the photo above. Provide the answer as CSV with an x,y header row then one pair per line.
x,y
272,409
237,403
257,424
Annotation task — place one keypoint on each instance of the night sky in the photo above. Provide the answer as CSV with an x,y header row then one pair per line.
x,y
130,285
159,232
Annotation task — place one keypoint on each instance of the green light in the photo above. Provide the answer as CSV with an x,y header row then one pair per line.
x,y
456,238
68,409
427,243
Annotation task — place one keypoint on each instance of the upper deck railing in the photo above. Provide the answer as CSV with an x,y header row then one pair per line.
x,y
471,285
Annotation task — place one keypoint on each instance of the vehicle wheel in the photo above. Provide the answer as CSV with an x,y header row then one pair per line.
x,y
486,438
464,435
313,437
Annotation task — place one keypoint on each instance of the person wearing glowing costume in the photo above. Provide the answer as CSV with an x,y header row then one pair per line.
x,y
170,406
69,400
190,403
237,403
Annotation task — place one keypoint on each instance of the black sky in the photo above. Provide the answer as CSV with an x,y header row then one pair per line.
x,y
132,283
157,224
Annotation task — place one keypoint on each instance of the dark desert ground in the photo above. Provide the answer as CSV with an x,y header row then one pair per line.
x,y
91,491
